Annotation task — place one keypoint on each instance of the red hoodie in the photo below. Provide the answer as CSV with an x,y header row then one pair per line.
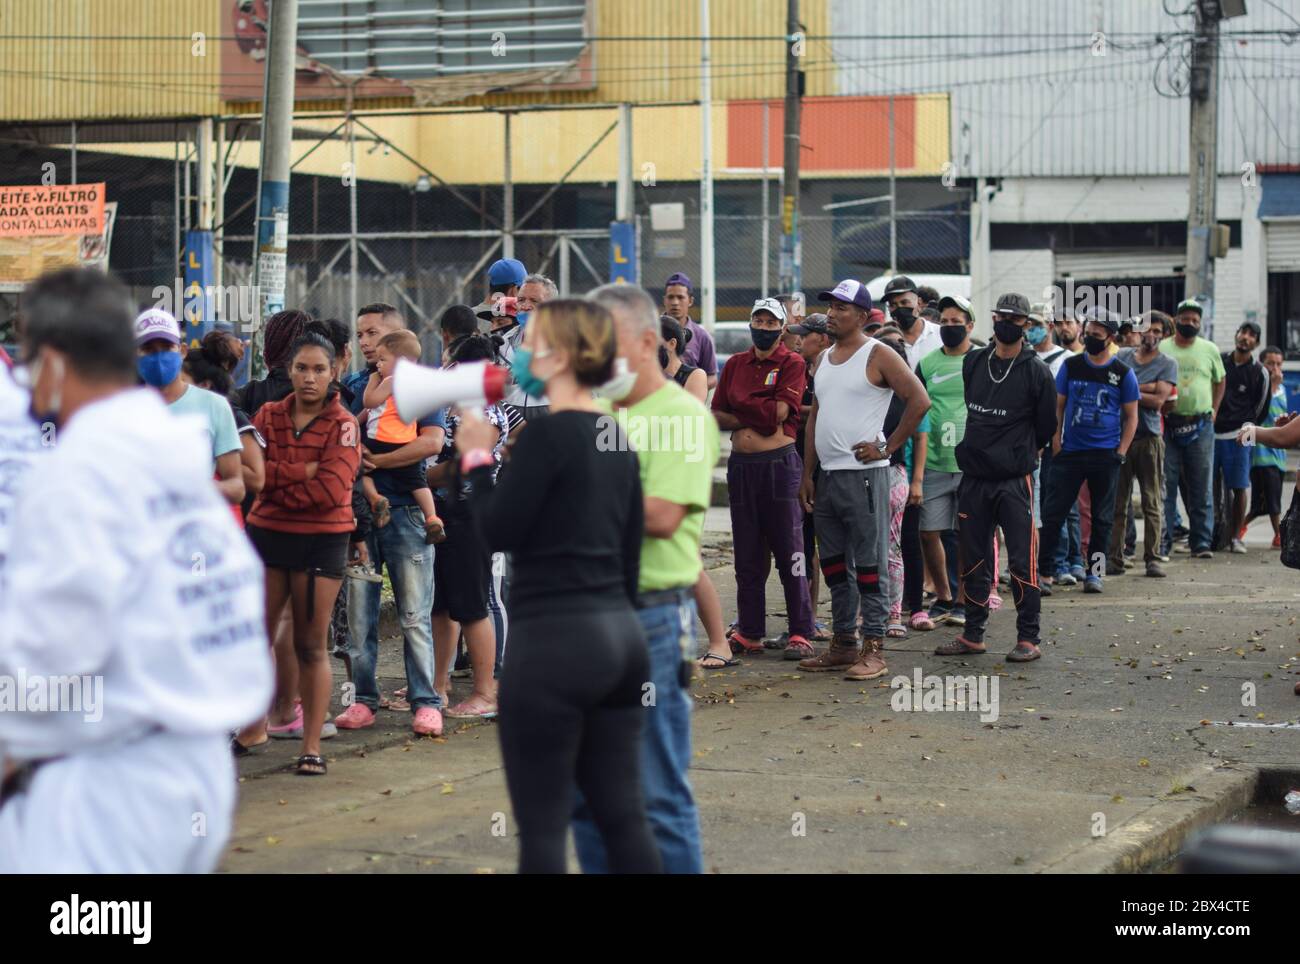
x,y
290,502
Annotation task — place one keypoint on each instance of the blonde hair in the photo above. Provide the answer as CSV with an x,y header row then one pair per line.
x,y
585,332
401,344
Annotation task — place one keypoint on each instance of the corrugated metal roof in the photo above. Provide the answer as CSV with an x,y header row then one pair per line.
x,y
1030,97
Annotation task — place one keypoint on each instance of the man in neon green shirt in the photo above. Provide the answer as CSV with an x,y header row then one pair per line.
x,y
677,445
1189,429
940,372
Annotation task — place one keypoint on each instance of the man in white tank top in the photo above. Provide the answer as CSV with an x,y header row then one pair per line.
x,y
850,498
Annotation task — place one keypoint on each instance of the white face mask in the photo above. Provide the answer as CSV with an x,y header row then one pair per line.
x,y
621,385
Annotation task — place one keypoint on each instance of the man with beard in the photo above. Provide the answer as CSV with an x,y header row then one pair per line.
x,y
919,335
850,498
1245,399
1010,415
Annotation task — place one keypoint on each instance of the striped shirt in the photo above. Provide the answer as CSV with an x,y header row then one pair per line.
x,y
290,502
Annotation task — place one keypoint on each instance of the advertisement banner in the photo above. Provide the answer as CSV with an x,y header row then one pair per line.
x,y
23,259
38,210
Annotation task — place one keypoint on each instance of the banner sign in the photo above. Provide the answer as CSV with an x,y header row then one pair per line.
x,y
37,210
26,258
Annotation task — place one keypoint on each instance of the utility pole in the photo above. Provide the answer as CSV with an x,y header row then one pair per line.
x,y
1203,93
708,288
270,254
791,248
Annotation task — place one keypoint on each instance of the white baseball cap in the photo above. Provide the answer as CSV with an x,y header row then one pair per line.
x,y
768,304
156,323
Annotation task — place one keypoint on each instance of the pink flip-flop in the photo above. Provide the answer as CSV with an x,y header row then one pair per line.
x,y
288,731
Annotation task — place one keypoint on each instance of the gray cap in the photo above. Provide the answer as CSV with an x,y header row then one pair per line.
x,y
1013,304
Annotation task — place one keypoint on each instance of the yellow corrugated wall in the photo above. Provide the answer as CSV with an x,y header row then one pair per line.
x,y
50,69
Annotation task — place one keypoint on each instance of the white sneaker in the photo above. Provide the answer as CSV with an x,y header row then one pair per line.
x,y
1238,547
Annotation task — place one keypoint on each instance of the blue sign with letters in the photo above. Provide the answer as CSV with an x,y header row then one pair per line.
x,y
622,252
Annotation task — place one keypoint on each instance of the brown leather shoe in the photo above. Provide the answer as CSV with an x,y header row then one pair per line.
x,y
843,652
870,663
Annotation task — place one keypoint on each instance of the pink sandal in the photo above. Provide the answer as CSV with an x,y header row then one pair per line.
x,y
462,711
921,621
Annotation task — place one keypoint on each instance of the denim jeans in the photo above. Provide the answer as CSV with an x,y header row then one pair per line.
x,y
1196,462
1070,470
399,547
665,750
1069,551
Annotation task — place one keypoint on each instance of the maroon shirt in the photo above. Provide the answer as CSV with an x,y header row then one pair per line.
x,y
750,387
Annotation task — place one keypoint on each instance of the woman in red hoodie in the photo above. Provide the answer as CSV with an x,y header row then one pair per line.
x,y
302,521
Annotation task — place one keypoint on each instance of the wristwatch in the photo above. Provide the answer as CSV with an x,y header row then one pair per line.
x,y
1120,457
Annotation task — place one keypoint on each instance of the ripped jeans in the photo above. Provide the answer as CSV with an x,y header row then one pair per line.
x,y
399,547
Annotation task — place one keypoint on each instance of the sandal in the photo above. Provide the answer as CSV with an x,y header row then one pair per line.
x,y
921,621
462,711
310,765
742,645
960,647
896,630
722,661
820,633
1025,652
287,731
381,513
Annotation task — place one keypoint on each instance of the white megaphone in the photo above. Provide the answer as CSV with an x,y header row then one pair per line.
x,y
419,389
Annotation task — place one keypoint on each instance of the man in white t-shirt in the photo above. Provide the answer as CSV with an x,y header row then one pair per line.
x,y
134,615
22,441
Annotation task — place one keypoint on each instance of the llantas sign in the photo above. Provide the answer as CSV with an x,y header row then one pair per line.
x,y
34,210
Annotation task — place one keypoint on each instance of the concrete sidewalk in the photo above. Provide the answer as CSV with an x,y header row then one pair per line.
x,y
1122,723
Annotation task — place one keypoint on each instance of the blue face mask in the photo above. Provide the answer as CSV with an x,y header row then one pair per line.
x,y
159,369
524,378
1035,335
521,318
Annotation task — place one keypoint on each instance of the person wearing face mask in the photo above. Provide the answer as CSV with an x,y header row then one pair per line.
x,y
941,373
135,576
757,400
1010,415
1067,567
670,359
1069,330
1156,376
570,694
851,496
536,290
920,335
1189,429
158,343
1097,417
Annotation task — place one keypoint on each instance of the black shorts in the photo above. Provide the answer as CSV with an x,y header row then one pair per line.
x,y
324,552
1265,490
462,568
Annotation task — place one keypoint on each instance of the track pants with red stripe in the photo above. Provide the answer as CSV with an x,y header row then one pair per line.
x,y
852,516
982,506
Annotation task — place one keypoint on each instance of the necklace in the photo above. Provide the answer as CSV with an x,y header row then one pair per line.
x,y
994,379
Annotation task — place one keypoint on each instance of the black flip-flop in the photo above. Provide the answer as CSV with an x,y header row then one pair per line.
x,y
723,659
310,760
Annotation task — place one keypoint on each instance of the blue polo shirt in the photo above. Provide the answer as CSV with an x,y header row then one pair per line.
x,y
1094,400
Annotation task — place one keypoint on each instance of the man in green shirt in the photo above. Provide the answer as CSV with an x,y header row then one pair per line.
x,y
1189,429
940,372
677,445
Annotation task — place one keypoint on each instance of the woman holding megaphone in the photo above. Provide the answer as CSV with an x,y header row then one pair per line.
x,y
568,508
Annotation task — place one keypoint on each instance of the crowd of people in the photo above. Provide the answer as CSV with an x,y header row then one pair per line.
x,y
885,453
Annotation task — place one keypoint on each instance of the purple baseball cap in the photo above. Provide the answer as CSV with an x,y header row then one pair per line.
x,y
677,278
156,323
849,291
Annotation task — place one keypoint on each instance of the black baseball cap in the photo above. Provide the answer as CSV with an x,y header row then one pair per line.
x,y
1013,304
815,323
899,286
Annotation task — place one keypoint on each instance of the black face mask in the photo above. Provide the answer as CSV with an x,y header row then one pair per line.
x,y
1007,332
663,357
1094,345
763,339
1188,331
905,318
952,335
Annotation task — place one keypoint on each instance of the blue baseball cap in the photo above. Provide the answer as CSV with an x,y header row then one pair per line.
x,y
507,271
677,278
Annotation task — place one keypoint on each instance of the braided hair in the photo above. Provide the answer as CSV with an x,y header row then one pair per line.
x,y
282,329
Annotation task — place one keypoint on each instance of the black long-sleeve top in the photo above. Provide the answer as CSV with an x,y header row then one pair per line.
x,y
1245,395
568,508
1010,413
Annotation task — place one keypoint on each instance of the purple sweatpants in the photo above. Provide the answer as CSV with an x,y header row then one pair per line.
x,y
767,521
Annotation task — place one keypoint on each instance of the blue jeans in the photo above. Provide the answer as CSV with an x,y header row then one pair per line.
x,y
1196,461
399,547
665,750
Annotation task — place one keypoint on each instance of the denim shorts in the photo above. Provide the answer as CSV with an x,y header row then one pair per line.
x,y
1233,460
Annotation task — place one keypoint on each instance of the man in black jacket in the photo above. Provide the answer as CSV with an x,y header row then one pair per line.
x,y
1246,394
1010,415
